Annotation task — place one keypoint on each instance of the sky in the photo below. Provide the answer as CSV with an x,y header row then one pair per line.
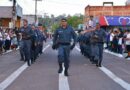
x,y
58,7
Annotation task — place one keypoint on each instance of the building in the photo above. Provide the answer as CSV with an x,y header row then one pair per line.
x,y
97,11
6,16
31,18
128,2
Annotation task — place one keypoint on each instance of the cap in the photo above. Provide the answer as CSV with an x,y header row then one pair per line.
x,y
64,19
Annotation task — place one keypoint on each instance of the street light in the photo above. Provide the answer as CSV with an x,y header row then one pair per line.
x,y
36,10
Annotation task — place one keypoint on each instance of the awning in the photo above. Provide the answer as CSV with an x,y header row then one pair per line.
x,y
114,20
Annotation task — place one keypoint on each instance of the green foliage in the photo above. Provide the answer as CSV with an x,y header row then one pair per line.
x,y
53,22
74,21
54,27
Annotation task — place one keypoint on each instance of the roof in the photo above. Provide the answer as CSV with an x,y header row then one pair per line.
x,y
5,12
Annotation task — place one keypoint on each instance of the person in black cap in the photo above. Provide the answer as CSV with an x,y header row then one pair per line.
x,y
62,41
41,37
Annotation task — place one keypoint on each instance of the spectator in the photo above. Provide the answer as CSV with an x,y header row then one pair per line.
x,y
127,40
1,41
120,42
111,40
14,42
115,40
7,40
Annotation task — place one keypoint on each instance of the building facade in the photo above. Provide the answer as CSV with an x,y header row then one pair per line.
x,y
31,18
6,16
97,11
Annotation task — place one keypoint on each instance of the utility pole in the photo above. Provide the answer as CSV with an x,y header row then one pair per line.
x,y
36,10
13,12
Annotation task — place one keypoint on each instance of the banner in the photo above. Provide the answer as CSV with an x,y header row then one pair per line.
x,y
114,20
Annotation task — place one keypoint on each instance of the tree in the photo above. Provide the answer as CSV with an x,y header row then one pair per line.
x,y
75,20
54,27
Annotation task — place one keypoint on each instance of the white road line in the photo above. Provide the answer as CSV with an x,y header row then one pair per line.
x,y
77,48
12,77
9,51
15,74
63,81
118,55
115,78
46,48
118,80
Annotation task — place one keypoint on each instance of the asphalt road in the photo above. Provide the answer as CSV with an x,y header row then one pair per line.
x,y
43,75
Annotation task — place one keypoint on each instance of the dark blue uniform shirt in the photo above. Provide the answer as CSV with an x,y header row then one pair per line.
x,y
64,35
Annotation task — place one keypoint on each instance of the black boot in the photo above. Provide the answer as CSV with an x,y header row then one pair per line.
x,y
32,60
92,60
60,68
66,72
98,64
28,62
22,59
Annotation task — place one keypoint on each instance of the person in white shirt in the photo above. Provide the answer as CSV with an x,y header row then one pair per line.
x,y
111,40
120,42
14,42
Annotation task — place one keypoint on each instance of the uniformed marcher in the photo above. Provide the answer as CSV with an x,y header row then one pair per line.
x,y
34,44
62,41
97,42
41,37
37,31
21,48
26,41
84,42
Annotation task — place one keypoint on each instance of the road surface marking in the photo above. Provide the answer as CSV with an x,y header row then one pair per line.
x,y
115,54
10,51
15,74
115,78
118,80
46,48
63,81
12,77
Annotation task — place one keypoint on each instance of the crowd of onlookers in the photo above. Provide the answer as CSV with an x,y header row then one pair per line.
x,y
8,39
118,41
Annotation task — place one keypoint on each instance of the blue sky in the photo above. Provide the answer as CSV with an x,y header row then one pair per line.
x,y
58,7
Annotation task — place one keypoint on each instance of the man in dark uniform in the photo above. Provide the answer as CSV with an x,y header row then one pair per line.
x,y
34,44
97,42
26,41
41,37
62,40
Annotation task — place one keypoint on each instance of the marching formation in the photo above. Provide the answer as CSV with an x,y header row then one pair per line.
x,y
31,42
91,43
